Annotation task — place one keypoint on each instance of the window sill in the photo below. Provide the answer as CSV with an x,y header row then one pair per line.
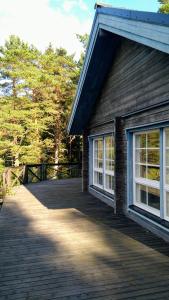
x,y
104,192
101,195
150,216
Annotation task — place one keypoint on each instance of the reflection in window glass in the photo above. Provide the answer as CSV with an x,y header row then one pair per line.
x,y
147,169
141,171
154,198
166,168
153,156
167,157
167,175
109,163
153,139
98,178
141,193
98,162
141,141
167,137
104,163
141,156
167,204
153,173
147,160
109,182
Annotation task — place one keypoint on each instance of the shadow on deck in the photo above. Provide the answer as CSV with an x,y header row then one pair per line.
x,y
59,243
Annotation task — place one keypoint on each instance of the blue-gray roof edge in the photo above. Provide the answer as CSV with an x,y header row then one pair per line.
x,y
132,15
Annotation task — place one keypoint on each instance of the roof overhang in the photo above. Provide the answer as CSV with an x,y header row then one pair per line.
x,y
109,26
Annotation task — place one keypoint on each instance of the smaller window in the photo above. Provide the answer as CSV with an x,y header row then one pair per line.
x,y
109,164
147,170
98,162
103,163
166,173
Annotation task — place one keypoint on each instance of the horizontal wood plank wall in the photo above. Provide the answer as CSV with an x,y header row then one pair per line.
x,y
138,77
104,128
156,115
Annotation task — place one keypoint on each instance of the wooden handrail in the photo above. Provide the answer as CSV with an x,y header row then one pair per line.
x,y
30,173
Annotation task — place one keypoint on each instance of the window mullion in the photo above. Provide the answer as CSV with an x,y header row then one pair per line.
x,y
162,168
104,160
146,167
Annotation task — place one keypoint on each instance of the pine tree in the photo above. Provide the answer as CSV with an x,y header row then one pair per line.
x,y
36,93
164,8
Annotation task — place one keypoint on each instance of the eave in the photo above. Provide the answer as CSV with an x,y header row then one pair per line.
x,y
109,26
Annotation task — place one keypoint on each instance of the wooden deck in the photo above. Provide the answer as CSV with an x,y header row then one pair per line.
x,y
58,243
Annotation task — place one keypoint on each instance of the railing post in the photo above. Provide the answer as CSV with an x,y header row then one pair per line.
x,y
25,175
4,183
8,178
43,172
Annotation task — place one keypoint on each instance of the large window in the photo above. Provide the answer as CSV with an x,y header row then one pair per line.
x,y
103,163
166,173
147,170
151,171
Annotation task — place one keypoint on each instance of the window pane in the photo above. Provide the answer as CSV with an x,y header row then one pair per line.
x,y
109,153
141,195
167,137
147,168
153,139
167,157
98,178
140,171
154,198
141,140
109,165
167,204
167,176
109,147
109,182
153,157
98,153
100,163
153,173
141,156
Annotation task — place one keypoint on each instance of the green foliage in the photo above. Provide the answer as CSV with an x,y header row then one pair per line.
x,y
83,39
164,8
36,92
163,1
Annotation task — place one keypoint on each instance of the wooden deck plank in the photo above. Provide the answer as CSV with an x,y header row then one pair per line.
x,y
59,243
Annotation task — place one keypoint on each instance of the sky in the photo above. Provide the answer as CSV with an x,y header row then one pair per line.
x,y
40,22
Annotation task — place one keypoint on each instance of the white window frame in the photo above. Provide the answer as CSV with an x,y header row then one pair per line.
x,y
165,185
103,170
98,170
143,181
132,179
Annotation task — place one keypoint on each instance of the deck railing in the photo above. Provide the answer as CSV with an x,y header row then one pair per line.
x,y
33,173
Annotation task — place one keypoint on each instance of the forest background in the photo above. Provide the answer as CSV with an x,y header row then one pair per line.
x,y
36,94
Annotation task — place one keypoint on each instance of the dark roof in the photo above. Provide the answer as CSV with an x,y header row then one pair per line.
x,y
110,25
143,16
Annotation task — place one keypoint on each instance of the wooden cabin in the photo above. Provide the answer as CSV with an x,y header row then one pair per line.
x,y
122,110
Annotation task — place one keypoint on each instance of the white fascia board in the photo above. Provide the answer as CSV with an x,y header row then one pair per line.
x,y
152,35
155,36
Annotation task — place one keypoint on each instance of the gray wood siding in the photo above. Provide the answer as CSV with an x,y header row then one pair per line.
x,y
156,115
101,129
139,77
